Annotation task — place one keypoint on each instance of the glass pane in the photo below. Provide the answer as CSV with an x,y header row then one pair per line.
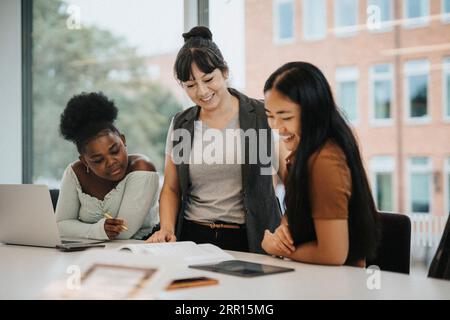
x,y
384,7
446,4
382,97
119,48
418,95
420,192
384,192
286,20
347,99
346,13
419,160
381,68
314,18
416,8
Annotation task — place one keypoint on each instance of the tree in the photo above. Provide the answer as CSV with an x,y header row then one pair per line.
x,y
67,62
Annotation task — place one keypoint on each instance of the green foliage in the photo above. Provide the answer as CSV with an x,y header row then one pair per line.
x,y
67,62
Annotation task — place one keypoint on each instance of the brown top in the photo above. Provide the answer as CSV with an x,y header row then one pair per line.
x,y
330,182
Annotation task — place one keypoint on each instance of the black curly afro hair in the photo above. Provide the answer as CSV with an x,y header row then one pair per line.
x,y
85,116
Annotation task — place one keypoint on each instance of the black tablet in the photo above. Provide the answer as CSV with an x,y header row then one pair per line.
x,y
242,268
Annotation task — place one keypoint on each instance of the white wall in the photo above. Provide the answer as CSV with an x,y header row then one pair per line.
x,y
10,92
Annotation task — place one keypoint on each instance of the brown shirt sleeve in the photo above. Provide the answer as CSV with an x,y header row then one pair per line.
x,y
330,183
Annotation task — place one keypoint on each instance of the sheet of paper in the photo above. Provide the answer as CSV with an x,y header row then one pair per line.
x,y
187,251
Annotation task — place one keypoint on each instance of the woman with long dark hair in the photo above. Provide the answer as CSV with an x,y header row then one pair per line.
x,y
330,214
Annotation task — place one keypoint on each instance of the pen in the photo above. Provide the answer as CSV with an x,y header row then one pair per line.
x,y
108,216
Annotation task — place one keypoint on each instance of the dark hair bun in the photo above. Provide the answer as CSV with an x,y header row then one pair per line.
x,y
84,110
198,32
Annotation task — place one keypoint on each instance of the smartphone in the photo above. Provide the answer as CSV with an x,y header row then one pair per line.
x,y
191,282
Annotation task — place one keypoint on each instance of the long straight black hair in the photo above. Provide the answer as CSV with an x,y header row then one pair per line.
x,y
321,121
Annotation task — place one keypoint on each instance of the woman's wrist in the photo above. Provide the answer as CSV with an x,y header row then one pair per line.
x,y
168,229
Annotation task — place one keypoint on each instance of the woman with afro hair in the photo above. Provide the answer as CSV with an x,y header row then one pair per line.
x,y
107,193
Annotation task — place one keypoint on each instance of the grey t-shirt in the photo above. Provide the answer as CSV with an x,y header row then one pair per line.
x,y
215,193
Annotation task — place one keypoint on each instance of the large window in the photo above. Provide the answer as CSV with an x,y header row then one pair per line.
x,y
284,20
420,184
347,92
314,16
381,13
416,13
124,49
416,89
446,88
381,90
346,17
382,173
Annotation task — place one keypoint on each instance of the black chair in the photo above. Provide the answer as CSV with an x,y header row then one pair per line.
x,y
440,266
394,250
54,194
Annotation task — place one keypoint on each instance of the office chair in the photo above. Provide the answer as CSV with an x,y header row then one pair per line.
x,y
393,252
54,193
440,266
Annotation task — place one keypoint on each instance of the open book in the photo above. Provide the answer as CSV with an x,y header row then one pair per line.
x,y
186,251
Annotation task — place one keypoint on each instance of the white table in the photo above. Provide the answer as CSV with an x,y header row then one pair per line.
x,y
25,271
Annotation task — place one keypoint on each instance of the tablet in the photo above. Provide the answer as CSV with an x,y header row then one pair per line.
x,y
242,268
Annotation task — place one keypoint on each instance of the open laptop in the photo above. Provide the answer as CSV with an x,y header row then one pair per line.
x,y
27,218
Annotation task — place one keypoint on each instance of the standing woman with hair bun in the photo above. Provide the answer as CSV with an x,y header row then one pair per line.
x,y
107,193
228,204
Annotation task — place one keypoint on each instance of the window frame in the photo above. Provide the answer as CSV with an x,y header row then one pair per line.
x,y
413,23
276,22
348,74
423,70
412,169
386,164
27,91
313,37
386,76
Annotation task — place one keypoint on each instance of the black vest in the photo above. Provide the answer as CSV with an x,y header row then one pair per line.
x,y
262,210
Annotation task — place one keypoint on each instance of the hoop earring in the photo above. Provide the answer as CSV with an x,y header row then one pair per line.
x,y
87,169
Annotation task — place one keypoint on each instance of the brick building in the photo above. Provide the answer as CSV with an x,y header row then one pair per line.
x,y
388,62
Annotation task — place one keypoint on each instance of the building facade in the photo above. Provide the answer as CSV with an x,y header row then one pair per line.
x,y
388,62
